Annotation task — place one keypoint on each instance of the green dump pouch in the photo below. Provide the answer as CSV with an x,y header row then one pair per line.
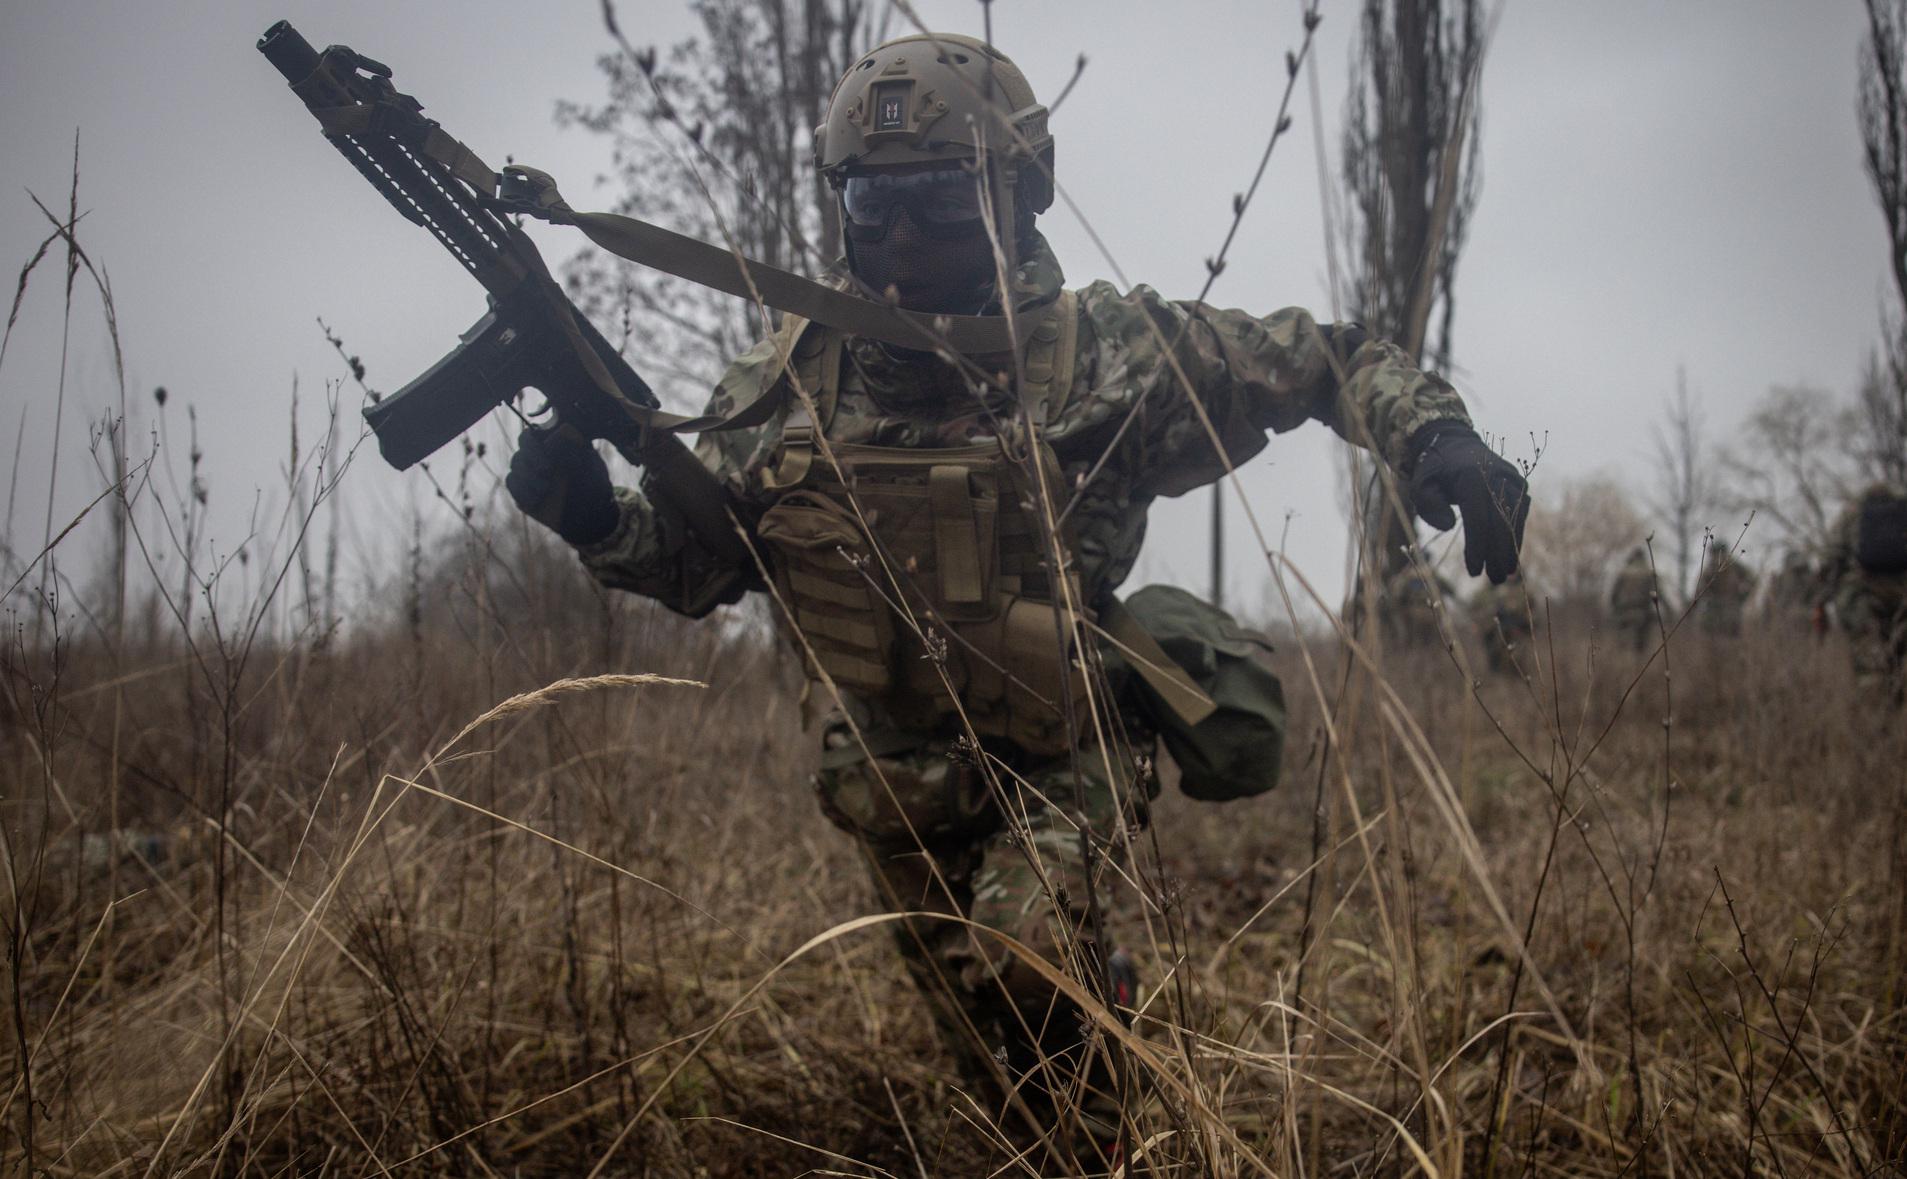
x,y
1880,542
1236,750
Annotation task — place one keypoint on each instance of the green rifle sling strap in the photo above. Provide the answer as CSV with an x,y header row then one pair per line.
x,y
726,270
714,267
720,269
1149,659
729,272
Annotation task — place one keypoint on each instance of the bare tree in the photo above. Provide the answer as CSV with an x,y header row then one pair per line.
x,y
1883,118
1411,164
1791,464
1685,491
1411,181
1880,451
715,139
1883,113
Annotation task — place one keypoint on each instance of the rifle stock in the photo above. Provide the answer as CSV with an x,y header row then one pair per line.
x,y
532,336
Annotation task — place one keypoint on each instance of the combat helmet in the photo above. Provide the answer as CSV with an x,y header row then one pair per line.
x,y
937,98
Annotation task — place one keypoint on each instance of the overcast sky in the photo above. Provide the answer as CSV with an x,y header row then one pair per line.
x,y
1664,184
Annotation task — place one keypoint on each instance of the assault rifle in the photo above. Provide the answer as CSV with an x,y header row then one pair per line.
x,y
532,335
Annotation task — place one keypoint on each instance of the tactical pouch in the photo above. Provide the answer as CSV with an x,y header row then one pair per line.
x,y
1880,543
949,561
936,513
821,558
1015,671
1236,749
901,794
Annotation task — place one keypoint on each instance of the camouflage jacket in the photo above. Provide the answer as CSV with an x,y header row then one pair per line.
x,y
1508,605
1633,593
1251,374
1726,581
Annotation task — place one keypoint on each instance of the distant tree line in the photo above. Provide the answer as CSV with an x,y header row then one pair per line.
x,y
1800,453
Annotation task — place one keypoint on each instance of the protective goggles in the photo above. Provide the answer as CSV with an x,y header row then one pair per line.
x,y
949,196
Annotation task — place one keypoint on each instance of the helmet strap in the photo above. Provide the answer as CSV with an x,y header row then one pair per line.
x,y
1000,191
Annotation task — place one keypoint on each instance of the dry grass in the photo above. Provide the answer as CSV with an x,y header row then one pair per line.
x,y
488,950
461,888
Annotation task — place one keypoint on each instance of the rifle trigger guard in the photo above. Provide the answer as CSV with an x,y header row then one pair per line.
x,y
533,192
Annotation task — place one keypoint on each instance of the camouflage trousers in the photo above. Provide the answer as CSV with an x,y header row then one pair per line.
x,y
939,838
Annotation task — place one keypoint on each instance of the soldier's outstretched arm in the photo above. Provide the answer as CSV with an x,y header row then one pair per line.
x,y
1276,372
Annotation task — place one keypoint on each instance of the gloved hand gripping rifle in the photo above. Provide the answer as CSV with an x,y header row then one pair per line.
x,y
532,335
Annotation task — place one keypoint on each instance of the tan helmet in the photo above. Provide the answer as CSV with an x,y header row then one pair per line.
x,y
936,96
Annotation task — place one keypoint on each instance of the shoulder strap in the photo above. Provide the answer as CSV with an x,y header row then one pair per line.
x,y
814,361
1180,692
814,364
1047,367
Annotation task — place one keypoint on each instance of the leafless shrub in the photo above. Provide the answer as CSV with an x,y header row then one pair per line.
x,y
1791,465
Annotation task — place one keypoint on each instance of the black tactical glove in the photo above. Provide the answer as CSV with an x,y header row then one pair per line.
x,y
1450,465
559,481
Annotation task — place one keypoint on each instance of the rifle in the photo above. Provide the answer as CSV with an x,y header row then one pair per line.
x,y
531,335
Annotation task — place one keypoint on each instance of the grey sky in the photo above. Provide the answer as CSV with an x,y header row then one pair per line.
x,y
1663,184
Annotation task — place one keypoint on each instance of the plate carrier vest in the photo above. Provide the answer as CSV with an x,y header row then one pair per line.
x,y
920,576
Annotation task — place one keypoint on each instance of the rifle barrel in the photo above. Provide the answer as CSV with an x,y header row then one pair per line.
x,y
289,52
338,79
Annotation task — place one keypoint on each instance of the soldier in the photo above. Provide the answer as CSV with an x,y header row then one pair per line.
x,y
1632,600
1504,613
1725,588
1796,602
1409,608
941,534
1865,569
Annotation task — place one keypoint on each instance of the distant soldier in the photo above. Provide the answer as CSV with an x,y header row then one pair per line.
x,y
1866,571
1632,600
1797,598
1410,606
1725,588
1504,613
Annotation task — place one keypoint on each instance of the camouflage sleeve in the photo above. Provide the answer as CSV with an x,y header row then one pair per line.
x,y
653,553
1251,374
652,550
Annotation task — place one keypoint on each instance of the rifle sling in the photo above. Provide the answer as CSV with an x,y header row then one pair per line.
x,y
684,257
652,418
704,264
723,270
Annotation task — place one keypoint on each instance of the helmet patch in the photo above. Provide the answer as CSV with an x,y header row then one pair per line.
x,y
890,109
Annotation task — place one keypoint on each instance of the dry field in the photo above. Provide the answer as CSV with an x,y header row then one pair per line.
x,y
511,876
323,908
